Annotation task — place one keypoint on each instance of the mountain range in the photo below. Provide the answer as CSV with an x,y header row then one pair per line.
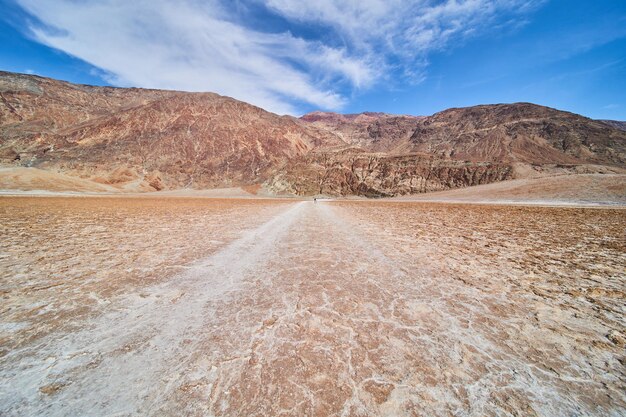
x,y
131,139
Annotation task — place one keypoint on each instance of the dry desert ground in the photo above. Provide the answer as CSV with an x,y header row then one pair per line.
x,y
115,306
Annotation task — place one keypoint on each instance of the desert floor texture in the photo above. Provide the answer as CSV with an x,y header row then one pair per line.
x,y
115,306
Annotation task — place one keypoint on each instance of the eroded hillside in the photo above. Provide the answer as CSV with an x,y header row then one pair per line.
x,y
146,140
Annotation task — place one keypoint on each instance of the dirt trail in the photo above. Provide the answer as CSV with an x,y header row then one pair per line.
x,y
313,313
136,345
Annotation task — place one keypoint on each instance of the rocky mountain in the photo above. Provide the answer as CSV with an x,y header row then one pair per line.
x,y
521,132
146,140
377,132
615,123
451,149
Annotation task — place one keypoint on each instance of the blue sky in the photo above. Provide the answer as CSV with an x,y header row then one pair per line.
x,y
291,57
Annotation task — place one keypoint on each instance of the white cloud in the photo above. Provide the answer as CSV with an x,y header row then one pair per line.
x,y
199,45
404,32
191,46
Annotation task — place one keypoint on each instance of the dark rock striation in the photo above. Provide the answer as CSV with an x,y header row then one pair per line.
x,y
355,172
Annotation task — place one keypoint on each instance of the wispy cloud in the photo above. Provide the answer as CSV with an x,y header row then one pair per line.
x,y
192,46
401,34
203,46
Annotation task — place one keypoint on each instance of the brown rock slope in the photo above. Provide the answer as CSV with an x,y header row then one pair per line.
x,y
145,139
378,132
356,172
520,132
615,123
451,149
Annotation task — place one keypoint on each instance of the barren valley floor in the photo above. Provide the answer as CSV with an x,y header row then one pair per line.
x,y
193,306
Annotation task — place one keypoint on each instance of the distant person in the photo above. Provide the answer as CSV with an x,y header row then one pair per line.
x,y
315,200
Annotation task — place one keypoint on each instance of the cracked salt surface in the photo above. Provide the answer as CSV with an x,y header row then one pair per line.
x,y
341,308
117,364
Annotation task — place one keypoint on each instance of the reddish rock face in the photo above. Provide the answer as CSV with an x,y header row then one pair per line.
x,y
353,172
378,132
165,139
519,132
615,123
451,149
138,139
501,133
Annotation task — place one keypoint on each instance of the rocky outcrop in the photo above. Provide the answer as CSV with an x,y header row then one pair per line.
x,y
376,132
354,172
615,123
163,139
521,132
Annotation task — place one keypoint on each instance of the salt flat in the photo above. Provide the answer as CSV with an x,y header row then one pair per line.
x,y
194,306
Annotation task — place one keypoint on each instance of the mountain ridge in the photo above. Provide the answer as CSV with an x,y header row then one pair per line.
x,y
145,140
